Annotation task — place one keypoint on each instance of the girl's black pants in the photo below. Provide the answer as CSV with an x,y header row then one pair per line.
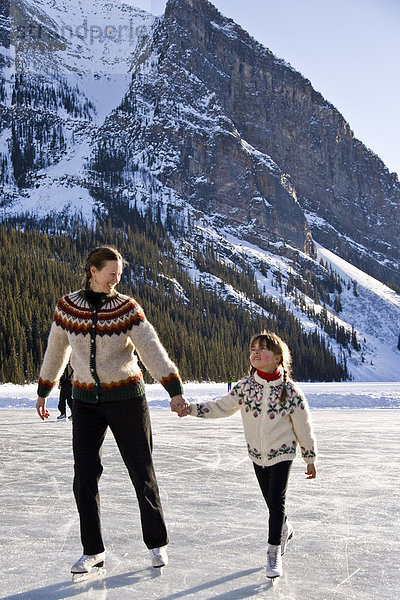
x,y
129,421
273,482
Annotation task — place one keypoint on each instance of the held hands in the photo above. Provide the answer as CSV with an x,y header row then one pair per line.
x,y
311,472
180,405
41,409
185,410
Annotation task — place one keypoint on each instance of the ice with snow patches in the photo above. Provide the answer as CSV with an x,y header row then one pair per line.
x,y
344,545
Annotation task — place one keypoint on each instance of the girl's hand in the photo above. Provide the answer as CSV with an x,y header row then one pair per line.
x,y
184,411
41,409
311,472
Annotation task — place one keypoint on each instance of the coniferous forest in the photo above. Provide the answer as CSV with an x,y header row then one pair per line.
x,y
206,335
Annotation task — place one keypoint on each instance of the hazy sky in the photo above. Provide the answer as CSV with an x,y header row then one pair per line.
x,y
348,49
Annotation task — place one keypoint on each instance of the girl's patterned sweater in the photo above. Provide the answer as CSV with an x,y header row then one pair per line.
x,y
100,344
272,430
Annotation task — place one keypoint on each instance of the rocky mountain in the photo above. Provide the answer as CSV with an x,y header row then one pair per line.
x,y
244,137
104,106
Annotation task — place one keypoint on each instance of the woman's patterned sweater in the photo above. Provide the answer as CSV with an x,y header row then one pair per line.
x,y
272,430
101,343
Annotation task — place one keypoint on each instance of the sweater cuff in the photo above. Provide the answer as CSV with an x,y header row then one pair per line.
x,y
45,387
172,384
309,456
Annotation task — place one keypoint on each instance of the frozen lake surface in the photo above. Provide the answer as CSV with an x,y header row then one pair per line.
x,y
346,543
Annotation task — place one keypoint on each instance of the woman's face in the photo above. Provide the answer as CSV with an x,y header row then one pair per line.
x,y
263,359
106,278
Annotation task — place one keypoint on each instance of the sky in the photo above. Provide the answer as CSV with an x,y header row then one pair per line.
x,y
348,49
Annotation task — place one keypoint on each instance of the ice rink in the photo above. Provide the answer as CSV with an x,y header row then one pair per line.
x,y
346,543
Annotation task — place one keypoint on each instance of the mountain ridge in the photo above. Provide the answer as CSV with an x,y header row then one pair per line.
x,y
166,127
330,158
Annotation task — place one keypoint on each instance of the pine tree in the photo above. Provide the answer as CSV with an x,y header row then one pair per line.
x,y
206,334
337,304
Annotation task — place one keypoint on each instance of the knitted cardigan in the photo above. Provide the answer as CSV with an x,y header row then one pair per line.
x,y
272,430
100,344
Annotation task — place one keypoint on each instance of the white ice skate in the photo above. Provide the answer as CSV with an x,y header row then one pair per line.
x,y
159,558
274,562
88,567
287,534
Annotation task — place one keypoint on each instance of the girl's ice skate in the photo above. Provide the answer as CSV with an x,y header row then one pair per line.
x,y
274,561
88,567
287,534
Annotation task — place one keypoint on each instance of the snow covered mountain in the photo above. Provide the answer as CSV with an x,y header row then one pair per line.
x,y
363,308
66,65
103,103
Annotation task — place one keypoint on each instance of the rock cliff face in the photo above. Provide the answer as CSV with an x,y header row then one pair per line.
x,y
244,137
349,196
210,119
180,126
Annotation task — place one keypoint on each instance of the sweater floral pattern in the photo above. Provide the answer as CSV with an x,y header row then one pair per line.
x,y
273,430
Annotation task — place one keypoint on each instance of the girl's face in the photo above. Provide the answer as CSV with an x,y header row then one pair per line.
x,y
263,359
106,278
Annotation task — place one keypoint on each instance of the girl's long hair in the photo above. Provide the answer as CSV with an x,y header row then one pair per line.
x,y
276,345
97,258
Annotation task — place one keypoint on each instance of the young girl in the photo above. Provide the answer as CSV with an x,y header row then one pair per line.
x,y
276,418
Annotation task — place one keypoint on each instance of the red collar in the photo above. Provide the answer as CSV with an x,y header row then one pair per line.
x,y
270,376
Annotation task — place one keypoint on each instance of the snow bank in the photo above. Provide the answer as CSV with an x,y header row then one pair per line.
x,y
353,395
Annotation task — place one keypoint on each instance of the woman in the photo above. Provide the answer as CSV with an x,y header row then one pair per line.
x,y
98,330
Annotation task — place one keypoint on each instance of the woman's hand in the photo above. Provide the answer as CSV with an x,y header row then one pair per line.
x,y
177,403
311,472
41,409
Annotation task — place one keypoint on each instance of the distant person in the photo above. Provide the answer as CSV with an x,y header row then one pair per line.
x,y
276,418
100,330
229,383
65,397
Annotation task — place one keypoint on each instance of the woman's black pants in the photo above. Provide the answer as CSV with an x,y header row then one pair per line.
x,y
273,482
129,421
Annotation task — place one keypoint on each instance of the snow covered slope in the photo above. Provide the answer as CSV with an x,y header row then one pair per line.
x,y
370,311
69,48
375,314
